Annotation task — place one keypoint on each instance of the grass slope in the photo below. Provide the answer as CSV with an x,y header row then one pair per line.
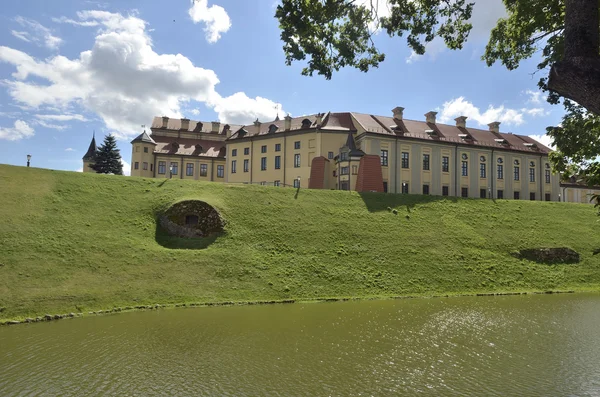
x,y
79,242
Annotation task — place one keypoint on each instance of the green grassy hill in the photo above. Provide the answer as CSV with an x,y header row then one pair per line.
x,y
77,242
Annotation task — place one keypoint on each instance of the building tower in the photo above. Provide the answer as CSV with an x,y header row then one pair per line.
x,y
90,155
142,156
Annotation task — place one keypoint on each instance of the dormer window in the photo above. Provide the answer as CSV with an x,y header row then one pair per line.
x,y
226,128
530,145
175,146
198,127
306,123
198,148
464,137
273,128
501,141
431,132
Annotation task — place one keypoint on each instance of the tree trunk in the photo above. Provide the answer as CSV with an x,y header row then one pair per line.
x,y
577,76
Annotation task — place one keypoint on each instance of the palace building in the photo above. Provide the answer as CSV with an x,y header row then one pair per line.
x,y
351,151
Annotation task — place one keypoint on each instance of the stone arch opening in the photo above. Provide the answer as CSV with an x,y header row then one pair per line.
x,y
191,219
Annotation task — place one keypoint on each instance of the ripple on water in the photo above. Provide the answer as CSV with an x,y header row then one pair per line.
x,y
498,346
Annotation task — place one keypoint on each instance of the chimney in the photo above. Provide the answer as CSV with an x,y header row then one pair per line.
x,y
165,121
461,121
227,130
257,124
319,119
430,117
288,122
216,126
398,112
185,124
494,127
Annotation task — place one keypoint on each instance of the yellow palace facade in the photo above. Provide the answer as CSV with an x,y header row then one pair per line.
x,y
352,151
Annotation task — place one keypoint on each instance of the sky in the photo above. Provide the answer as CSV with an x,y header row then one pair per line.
x,y
69,69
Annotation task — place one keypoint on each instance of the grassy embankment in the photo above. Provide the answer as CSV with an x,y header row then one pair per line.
x,y
71,242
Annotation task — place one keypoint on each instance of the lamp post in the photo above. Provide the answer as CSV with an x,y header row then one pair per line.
x,y
28,159
403,186
298,179
489,192
171,171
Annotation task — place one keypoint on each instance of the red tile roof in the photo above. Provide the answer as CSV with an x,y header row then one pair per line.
x,y
187,147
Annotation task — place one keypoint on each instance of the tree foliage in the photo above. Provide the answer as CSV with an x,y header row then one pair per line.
x,y
107,159
338,33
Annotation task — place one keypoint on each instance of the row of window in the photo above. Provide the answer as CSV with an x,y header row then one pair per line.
x,y
263,163
263,149
189,169
483,193
136,166
137,149
464,166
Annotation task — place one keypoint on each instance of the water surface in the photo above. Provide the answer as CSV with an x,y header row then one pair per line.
x,y
539,345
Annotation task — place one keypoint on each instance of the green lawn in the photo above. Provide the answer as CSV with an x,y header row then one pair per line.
x,y
74,242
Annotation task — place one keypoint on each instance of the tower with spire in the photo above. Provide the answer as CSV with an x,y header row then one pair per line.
x,y
90,155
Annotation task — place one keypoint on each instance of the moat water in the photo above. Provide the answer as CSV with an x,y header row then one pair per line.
x,y
538,345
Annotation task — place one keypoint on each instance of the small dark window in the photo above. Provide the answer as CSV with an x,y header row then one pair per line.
x,y
482,172
344,171
277,162
297,161
233,152
517,173
425,162
191,220
464,192
445,191
246,165
263,149
221,171
385,187
263,164
278,147
425,189
547,197
344,156
189,169
384,158
297,145
145,150
246,151
151,167
516,195
500,171
203,169
482,193
547,176
233,166
500,194
162,167
532,196
330,155
445,164
405,160
136,165
465,168
354,169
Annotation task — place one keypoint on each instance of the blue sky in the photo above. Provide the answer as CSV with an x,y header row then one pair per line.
x,y
68,68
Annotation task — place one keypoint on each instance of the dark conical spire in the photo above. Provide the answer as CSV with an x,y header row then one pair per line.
x,y
91,152
351,144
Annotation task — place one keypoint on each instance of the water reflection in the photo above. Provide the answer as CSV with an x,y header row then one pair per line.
x,y
496,346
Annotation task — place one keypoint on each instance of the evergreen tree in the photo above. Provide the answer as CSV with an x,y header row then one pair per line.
x,y
108,158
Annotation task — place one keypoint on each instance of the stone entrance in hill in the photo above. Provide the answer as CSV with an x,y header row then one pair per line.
x,y
192,219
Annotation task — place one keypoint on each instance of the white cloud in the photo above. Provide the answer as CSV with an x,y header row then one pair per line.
x,y
50,125
432,50
536,112
544,140
123,80
240,109
69,149
461,107
126,168
20,130
535,97
61,117
40,34
215,18
21,35
195,112
70,21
